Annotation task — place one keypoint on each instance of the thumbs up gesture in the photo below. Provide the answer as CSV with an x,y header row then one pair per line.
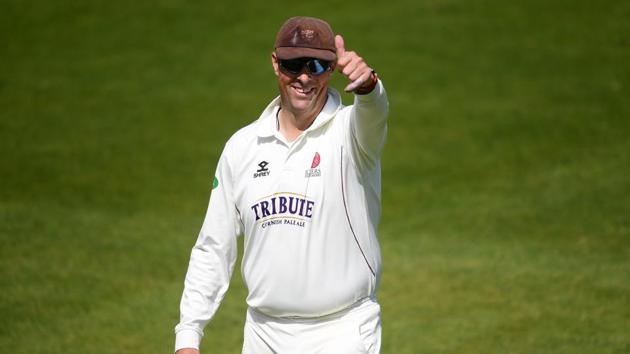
x,y
353,67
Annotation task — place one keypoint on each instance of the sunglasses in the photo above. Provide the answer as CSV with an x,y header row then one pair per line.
x,y
295,67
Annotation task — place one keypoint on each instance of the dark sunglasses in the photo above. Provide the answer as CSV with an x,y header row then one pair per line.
x,y
295,67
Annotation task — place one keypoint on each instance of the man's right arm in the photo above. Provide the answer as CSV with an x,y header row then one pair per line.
x,y
211,262
368,121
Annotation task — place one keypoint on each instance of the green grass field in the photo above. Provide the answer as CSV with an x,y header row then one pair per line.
x,y
506,176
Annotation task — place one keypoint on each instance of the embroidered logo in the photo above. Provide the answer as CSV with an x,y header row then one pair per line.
x,y
263,171
316,160
314,171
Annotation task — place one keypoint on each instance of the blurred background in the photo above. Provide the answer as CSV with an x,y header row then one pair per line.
x,y
506,187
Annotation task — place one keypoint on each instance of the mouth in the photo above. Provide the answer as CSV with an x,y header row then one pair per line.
x,y
303,92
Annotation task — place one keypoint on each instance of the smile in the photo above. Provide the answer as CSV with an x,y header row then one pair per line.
x,y
303,92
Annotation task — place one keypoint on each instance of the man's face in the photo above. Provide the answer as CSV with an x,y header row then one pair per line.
x,y
302,94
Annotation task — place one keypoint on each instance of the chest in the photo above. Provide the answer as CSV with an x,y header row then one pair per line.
x,y
280,182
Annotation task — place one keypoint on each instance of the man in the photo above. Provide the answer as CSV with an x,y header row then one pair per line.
x,y
302,183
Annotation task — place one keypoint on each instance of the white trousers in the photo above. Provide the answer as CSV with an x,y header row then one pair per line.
x,y
351,331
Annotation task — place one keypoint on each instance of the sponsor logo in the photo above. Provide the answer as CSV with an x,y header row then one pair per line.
x,y
314,171
263,171
283,208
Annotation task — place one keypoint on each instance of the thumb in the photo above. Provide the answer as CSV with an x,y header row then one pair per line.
x,y
339,44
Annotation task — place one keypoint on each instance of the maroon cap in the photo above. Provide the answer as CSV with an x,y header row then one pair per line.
x,y
306,37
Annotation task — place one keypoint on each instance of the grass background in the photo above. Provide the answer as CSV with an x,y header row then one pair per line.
x,y
506,188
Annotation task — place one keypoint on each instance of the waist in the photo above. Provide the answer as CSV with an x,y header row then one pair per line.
x,y
359,306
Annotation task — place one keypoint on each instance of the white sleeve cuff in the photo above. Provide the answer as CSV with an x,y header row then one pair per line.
x,y
187,338
371,96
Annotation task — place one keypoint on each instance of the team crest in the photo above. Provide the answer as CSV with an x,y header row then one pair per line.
x,y
314,171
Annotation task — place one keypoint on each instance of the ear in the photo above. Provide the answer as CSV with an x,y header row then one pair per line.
x,y
274,62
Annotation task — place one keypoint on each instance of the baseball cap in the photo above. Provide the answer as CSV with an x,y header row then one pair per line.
x,y
305,37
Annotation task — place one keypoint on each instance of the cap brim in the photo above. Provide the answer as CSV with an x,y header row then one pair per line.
x,y
301,52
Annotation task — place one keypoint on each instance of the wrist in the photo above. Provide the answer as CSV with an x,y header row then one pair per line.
x,y
369,85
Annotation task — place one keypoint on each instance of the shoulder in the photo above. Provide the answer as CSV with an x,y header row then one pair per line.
x,y
242,140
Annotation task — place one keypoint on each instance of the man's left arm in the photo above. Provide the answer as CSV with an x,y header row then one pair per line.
x,y
368,121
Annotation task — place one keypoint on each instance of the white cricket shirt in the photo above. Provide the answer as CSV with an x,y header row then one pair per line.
x,y
308,210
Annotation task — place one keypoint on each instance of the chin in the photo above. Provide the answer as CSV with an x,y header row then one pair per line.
x,y
302,105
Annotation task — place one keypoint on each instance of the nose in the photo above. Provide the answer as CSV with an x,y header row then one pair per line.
x,y
303,77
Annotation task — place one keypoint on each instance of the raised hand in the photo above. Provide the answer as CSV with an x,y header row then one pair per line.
x,y
352,66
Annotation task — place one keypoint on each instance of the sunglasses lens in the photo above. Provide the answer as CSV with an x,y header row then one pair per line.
x,y
317,66
293,66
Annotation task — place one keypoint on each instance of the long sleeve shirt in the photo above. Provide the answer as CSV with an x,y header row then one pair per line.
x,y
308,209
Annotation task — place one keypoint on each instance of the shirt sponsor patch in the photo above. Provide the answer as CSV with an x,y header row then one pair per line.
x,y
283,208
